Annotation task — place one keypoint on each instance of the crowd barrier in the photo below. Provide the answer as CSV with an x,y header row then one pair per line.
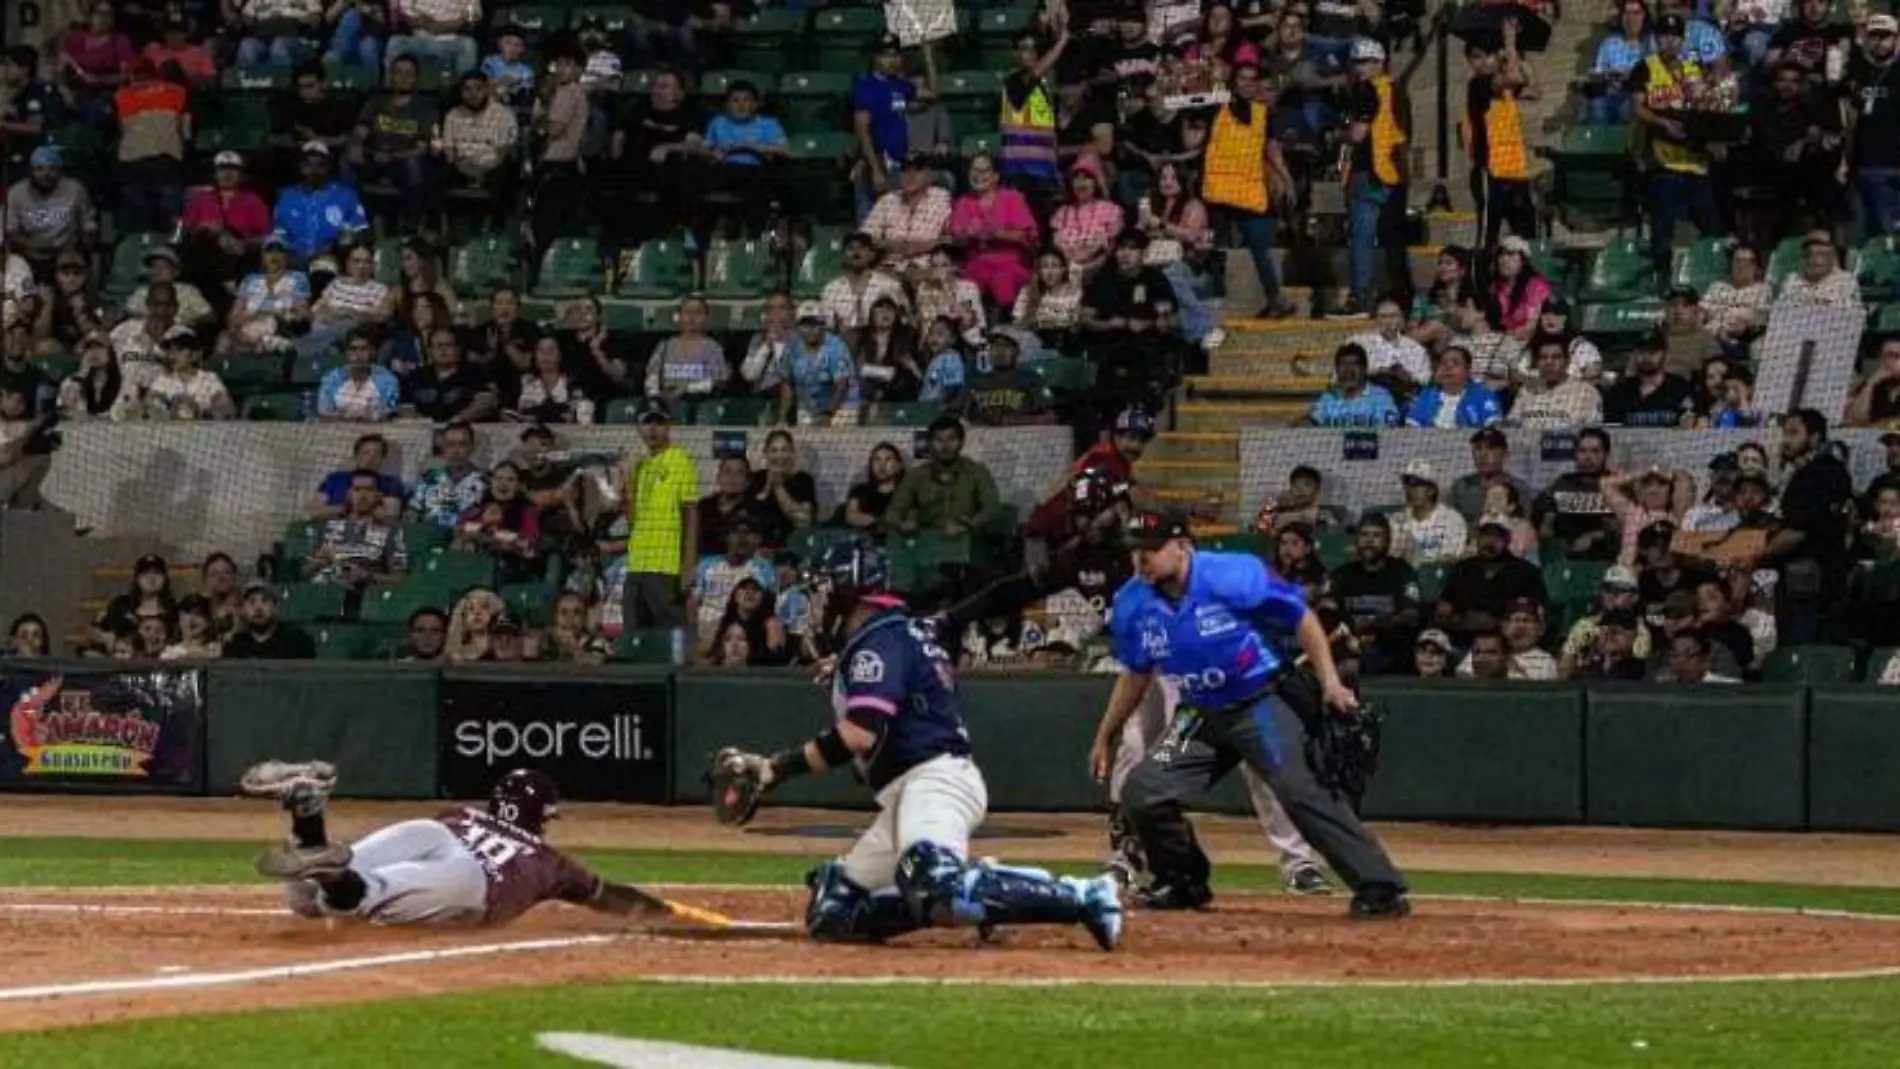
x,y
1756,757
202,487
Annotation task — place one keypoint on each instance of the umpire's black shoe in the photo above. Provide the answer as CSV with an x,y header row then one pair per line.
x,y
1180,895
1380,901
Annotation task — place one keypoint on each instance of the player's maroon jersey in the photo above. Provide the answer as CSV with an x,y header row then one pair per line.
x,y
522,871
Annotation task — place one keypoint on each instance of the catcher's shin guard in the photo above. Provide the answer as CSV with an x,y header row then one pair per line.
x,y
842,912
943,892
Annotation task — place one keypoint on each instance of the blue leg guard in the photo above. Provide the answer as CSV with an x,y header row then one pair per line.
x,y
943,892
842,912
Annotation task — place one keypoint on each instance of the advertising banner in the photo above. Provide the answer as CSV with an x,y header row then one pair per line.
x,y
604,741
112,731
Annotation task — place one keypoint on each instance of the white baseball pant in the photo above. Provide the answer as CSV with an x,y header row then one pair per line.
x,y
1150,723
416,872
941,801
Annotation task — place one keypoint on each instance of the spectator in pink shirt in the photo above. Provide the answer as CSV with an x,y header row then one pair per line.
x,y
1085,227
175,46
98,56
997,231
1518,292
224,222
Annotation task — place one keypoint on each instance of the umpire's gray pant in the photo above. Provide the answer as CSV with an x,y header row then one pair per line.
x,y
1150,723
415,872
1267,736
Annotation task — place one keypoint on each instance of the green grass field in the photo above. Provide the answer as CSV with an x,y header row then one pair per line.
x,y
1836,1023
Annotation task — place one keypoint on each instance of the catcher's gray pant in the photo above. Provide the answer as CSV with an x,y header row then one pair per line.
x,y
416,872
1150,724
940,801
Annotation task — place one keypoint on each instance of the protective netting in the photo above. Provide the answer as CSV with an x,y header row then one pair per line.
x,y
235,486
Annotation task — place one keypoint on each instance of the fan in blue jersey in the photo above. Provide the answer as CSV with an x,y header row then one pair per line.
x,y
900,726
1210,624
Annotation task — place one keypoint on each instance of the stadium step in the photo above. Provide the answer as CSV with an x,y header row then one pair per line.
x,y
1187,445
1281,387
1217,417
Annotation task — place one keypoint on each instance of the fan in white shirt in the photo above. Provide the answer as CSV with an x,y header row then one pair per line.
x,y
186,390
1389,351
1425,531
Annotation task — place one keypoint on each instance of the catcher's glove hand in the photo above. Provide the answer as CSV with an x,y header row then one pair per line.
x,y
1343,752
739,782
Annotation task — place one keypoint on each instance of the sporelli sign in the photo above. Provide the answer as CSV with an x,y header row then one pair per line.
x,y
604,741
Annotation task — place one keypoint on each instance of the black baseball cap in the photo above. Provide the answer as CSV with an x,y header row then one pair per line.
x,y
1670,24
1557,306
1683,293
151,562
742,521
653,408
1152,530
887,43
1623,618
1491,436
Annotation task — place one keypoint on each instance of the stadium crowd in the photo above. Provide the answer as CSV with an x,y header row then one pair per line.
x,y
465,213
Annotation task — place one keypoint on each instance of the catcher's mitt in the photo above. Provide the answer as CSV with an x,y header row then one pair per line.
x,y
1343,752
738,785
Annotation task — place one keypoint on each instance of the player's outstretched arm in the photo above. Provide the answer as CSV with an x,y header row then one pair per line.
x,y
622,899
1130,687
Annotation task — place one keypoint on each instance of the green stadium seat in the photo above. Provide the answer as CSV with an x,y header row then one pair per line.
x,y
987,141
300,538
1877,268
485,263
1431,581
820,150
455,570
815,101
1885,321
1784,261
1621,271
1703,264
912,414
658,269
243,125
808,542
614,18
1625,318
249,374
917,561
572,267
1244,542
389,259
127,272
996,32
644,647
1064,375
350,80
303,603
732,412
59,366
739,269
535,19
768,41
621,411
1878,660
310,370
1574,584
841,37
394,604
273,407
1334,547
356,642
1809,664
818,265
264,78
530,603
740,317
713,85
1593,175
625,316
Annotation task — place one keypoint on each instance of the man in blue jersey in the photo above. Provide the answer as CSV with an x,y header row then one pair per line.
x,y
1211,624
900,726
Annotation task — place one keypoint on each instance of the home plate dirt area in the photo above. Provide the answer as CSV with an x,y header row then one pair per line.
x,y
82,957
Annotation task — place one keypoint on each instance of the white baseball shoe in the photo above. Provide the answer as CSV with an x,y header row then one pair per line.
x,y
303,787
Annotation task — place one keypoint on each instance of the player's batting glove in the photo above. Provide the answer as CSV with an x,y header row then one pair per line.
x,y
739,782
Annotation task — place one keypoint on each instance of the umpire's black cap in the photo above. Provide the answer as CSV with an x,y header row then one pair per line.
x,y
1152,530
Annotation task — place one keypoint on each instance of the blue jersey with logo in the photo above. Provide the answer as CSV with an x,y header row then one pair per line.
x,y
896,682
1220,643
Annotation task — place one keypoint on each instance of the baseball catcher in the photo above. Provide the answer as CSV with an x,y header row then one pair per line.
x,y
900,726
1205,622
465,866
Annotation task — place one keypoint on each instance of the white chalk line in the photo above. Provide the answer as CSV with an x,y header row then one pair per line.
x,y
265,974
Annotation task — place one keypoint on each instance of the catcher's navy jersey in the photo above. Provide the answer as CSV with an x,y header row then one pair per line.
x,y
894,680
1218,643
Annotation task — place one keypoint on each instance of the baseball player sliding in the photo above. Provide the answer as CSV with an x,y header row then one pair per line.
x,y
465,866
1205,622
900,724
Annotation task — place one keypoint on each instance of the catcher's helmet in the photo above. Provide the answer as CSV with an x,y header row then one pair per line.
x,y
525,798
1135,421
853,568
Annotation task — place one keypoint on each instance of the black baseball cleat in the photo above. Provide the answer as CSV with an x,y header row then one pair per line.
x,y
1186,894
1379,901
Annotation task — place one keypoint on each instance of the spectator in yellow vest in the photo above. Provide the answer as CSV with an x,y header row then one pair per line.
x,y
1679,164
1245,175
1375,191
1494,138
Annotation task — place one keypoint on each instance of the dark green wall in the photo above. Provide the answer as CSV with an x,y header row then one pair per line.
x,y
377,722
1730,757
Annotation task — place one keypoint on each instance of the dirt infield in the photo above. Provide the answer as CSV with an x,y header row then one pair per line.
x,y
60,939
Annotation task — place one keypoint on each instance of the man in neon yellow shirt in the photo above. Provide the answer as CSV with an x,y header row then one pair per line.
x,y
663,525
